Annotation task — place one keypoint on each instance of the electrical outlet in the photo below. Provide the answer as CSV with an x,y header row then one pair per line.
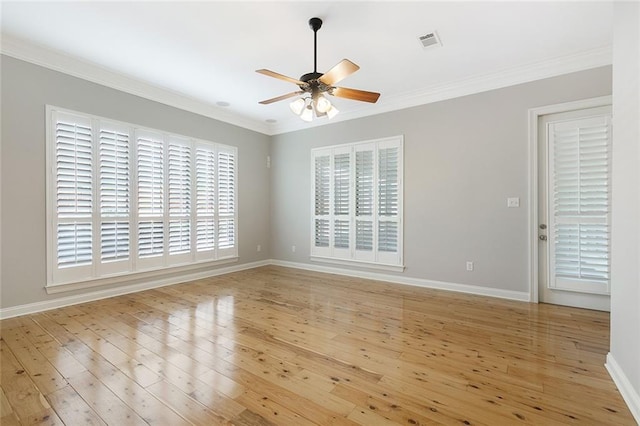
x,y
469,266
513,202
259,248
293,249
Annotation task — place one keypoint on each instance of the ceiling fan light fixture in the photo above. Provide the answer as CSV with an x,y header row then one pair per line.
x,y
323,104
307,114
332,112
297,106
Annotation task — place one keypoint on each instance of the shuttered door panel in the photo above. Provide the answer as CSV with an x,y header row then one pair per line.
x,y
179,183
365,175
579,192
73,176
115,198
227,217
321,190
205,202
389,174
151,198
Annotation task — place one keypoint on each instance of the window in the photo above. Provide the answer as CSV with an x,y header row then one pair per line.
x,y
122,199
357,202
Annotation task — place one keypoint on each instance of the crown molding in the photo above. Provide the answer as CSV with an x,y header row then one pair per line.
x,y
593,58
67,64
62,62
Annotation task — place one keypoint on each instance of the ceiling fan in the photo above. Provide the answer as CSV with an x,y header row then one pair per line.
x,y
316,85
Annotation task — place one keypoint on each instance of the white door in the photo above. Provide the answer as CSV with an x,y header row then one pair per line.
x,y
574,193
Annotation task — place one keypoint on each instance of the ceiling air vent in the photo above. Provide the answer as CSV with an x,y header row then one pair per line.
x,y
430,40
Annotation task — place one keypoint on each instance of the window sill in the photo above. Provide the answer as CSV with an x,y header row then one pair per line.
x,y
133,277
359,264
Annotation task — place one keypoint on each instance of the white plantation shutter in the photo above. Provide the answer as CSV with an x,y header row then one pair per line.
x,y
321,208
341,203
388,202
114,173
115,202
122,199
179,236
74,244
73,224
364,201
205,200
150,151
150,239
114,240
179,170
179,179
74,162
357,202
579,198
322,234
388,182
150,175
226,238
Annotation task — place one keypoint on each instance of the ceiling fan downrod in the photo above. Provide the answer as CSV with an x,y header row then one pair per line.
x,y
315,24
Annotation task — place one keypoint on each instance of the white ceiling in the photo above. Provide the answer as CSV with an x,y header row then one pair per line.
x,y
194,55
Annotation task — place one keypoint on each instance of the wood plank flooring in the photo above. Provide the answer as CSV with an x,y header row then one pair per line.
x,y
288,347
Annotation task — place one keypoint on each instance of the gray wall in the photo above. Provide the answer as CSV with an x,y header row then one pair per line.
x,y
625,229
26,88
463,158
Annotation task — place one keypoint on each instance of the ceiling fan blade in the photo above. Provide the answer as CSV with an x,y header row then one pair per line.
x,y
281,77
280,98
344,69
355,94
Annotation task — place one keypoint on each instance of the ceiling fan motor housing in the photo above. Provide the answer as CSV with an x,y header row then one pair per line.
x,y
313,84
309,77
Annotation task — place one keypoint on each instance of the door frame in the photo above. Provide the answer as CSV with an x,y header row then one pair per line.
x,y
532,217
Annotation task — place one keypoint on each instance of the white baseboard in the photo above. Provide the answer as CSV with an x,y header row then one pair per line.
x,y
47,305
522,296
629,394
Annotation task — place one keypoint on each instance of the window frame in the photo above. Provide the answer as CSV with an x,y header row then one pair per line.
x,y
373,259
100,272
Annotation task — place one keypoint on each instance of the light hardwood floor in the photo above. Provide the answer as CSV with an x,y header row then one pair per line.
x,y
282,346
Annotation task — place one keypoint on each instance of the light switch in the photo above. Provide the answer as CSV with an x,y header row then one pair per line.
x,y
513,202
